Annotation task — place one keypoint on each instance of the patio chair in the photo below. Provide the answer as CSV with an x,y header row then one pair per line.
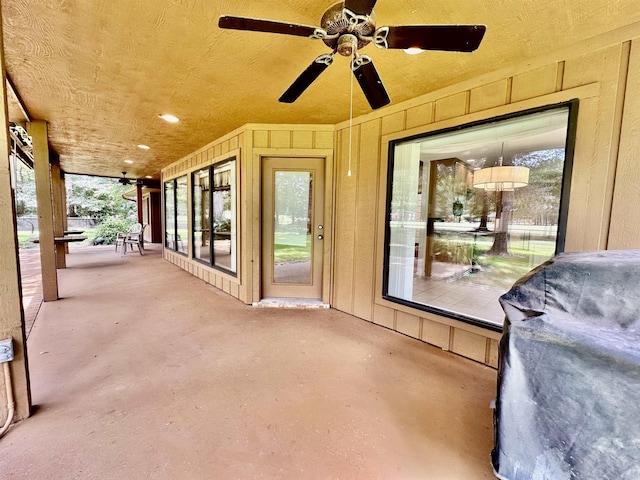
x,y
133,237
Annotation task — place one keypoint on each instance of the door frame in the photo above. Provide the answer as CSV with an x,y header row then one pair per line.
x,y
327,267
314,167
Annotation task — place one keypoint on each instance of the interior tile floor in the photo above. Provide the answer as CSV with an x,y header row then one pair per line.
x,y
142,371
477,301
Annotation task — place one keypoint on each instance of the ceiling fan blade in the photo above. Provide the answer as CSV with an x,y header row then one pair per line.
x,y
452,38
370,82
256,25
360,7
307,77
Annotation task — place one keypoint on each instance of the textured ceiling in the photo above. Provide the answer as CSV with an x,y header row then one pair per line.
x,y
100,71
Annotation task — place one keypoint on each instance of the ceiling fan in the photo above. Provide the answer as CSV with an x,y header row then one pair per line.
x,y
124,180
347,27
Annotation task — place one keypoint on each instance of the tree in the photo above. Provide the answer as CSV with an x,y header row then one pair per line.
x,y
97,197
504,208
26,204
536,203
293,199
539,202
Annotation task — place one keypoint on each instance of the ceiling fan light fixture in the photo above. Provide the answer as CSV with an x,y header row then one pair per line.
x,y
347,45
169,118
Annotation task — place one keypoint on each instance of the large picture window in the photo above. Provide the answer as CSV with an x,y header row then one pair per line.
x,y
214,216
472,210
176,214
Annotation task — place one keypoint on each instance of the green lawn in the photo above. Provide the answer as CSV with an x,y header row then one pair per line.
x,y
291,247
23,239
502,271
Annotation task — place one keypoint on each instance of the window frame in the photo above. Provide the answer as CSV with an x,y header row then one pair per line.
x,y
211,169
565,184
174,183
166,209
193,215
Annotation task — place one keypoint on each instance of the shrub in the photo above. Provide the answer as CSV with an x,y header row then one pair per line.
x,y
109,229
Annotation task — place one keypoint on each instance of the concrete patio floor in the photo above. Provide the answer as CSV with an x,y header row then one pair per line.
x,y
142,371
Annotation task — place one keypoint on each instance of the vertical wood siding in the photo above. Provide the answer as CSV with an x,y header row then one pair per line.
x,y
295,140
599,213
604,188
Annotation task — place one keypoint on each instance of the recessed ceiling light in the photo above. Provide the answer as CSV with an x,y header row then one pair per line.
x,y
144,147
128,161
169,118
148,176
413,51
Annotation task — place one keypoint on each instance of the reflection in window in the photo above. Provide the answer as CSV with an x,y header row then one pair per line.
x,y
292,245
169,215
201,219
175,214
473,210
182,213
224,215
214,215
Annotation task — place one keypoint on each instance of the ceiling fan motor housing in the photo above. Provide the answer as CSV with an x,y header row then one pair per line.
x,y
338,21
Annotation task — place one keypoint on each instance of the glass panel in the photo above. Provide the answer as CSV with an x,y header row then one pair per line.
x,y
182,215
169,216
224,215
292,227
474,210
201,226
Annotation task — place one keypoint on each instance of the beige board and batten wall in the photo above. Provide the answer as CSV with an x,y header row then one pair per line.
x,y
603,74
249,144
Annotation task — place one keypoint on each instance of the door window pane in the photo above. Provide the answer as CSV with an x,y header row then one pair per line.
x,y
292,227
473,210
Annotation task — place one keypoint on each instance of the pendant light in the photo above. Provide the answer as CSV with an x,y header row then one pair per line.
x,y
501,178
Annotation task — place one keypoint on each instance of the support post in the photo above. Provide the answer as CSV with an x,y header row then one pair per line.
x,y
65,220
11,314
38,132
139,200
57,188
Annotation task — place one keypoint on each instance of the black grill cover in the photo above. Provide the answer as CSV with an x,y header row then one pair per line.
x,y
568,402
